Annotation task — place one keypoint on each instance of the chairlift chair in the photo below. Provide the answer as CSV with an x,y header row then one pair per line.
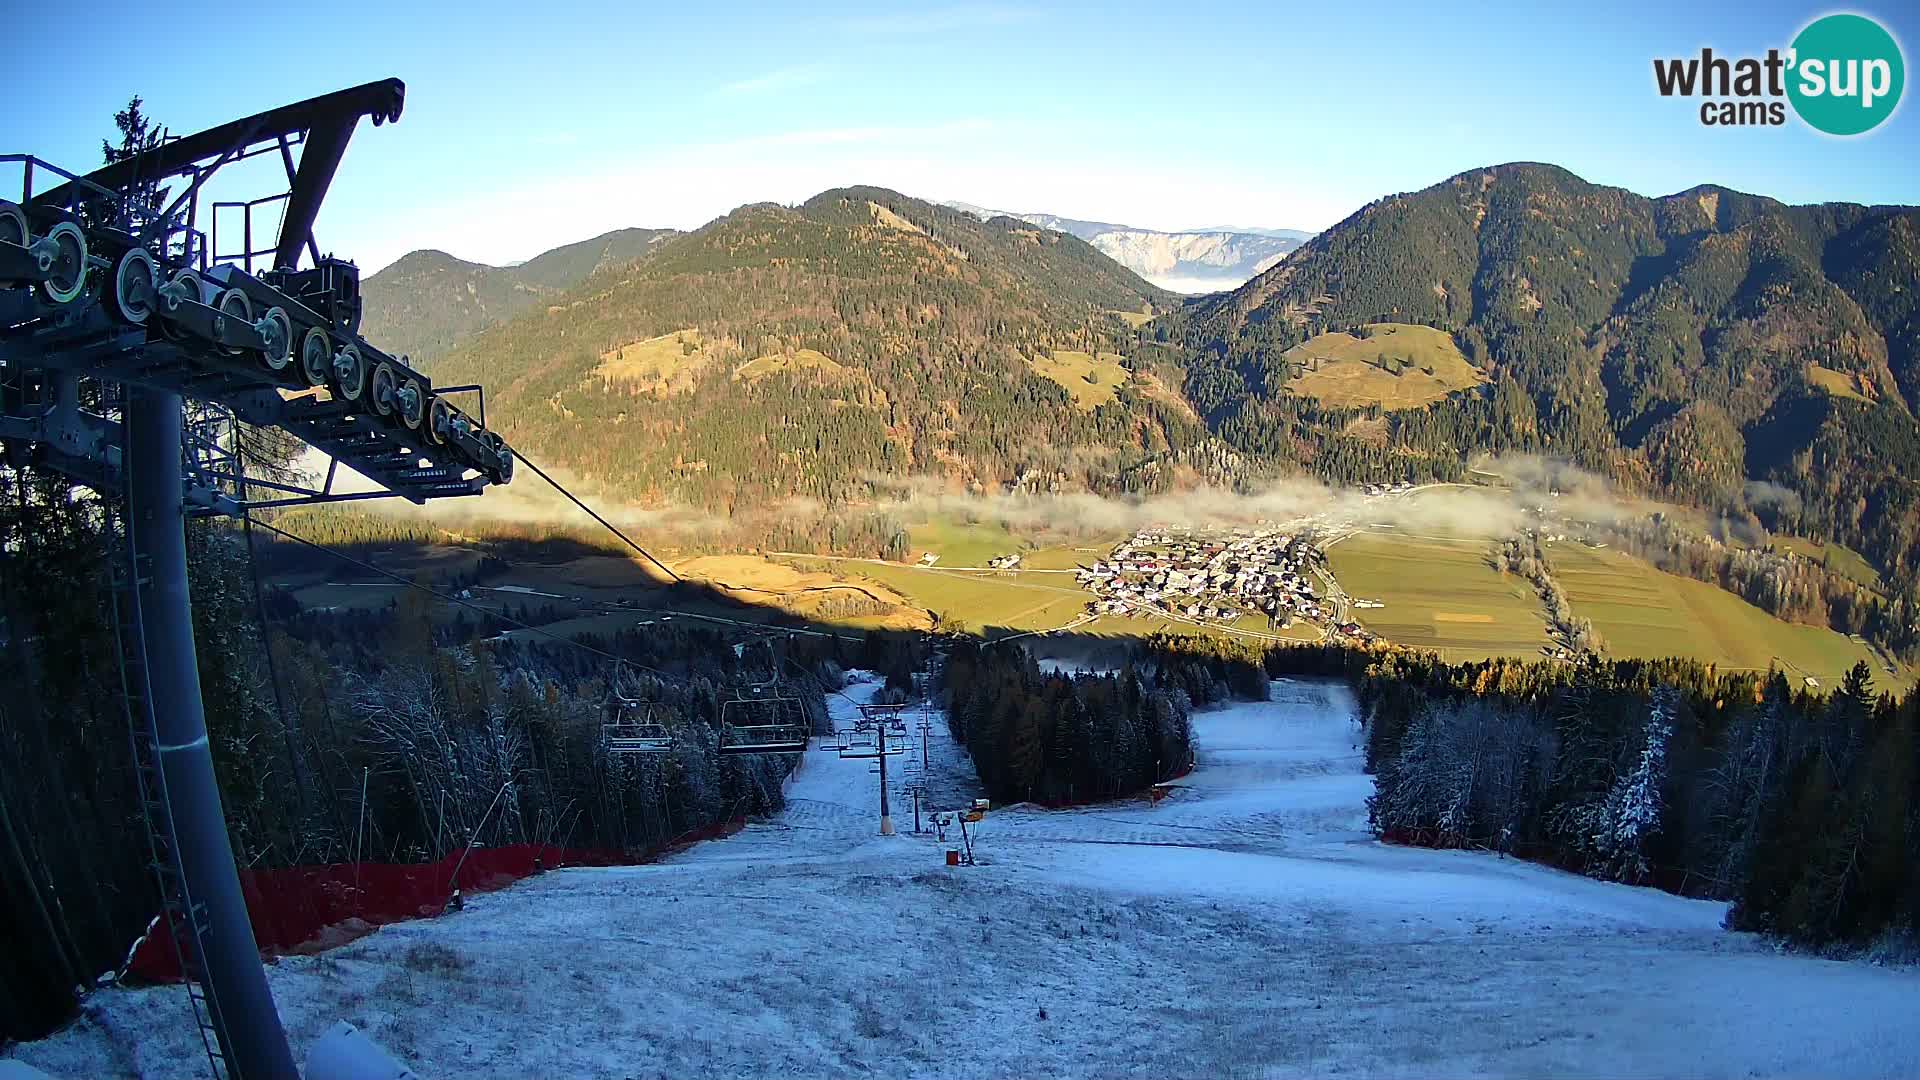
x,y
872,750
763,720
637,729
631,726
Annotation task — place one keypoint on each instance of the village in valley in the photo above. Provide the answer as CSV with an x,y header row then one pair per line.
x,y
1218,577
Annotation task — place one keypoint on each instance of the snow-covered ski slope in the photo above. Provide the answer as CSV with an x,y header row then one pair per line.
x,y
1247,926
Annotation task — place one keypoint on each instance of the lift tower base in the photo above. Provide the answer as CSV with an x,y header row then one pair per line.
x,y
243,1009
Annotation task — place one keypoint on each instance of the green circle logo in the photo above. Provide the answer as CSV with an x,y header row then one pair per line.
x,y
1847,74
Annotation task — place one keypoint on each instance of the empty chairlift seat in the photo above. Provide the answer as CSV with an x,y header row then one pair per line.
x,y
763,719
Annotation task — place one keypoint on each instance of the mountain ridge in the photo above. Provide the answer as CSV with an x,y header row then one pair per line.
x,y
428,301
1183,260
1688,343
861,336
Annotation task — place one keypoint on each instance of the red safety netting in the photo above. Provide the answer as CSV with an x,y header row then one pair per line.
x,y
308,908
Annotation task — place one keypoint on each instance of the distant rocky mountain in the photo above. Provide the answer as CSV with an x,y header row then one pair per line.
x,y
428,302
1279,234
1194,261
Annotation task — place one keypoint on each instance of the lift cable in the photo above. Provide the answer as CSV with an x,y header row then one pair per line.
x,y
576,500
517,624
817,680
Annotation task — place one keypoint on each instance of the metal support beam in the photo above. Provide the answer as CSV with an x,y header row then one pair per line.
x,y
325,145
886,814
253,1042
381,100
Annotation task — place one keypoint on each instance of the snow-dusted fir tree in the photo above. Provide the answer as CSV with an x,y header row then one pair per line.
x,y
1634,805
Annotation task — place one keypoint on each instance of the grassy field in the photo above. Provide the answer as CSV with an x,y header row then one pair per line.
x,y
1068,558
1091,380
1440,595
820,596
885,217
980,602
663,363
1346,371
1642,611
976,601
1837,383
1135,319
1844,561
801,360
347,596
973,543
960,543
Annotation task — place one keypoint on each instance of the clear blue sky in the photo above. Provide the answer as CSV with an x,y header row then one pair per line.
x,y
529,125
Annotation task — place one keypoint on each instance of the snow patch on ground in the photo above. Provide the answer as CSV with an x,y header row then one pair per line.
x,y
1245,926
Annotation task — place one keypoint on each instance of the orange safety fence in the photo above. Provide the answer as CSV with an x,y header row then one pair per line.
x,y
304,909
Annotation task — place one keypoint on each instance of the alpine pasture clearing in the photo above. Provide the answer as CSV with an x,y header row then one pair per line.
x,y
888,219
1839,558
1643,611
1439,594
667,364
1135,319
801,360
1090,380
1345,371
1836,383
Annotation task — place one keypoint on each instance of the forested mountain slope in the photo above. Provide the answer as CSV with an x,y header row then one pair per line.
x,y
427,302
812,349
1685,344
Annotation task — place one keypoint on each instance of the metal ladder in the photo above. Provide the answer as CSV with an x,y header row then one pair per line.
x,y
185,922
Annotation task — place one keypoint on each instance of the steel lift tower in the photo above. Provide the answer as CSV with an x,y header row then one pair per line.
x,y
131,353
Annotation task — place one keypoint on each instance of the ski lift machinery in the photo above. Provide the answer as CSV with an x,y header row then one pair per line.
x,y
116,309
868,738
763,718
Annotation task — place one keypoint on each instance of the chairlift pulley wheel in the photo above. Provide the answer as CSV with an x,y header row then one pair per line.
x,y
349,373
499,447
439,420
315,354
67,247
381,393
412,398
234,305
135,281
13,225
279,335
182,287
